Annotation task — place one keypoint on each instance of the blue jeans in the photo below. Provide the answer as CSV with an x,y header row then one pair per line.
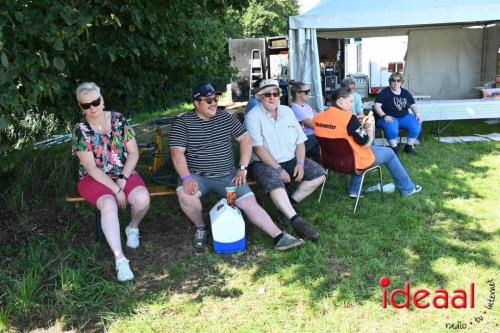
x,y
386,156
408,122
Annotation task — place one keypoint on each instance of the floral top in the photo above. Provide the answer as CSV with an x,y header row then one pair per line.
x,y
110,152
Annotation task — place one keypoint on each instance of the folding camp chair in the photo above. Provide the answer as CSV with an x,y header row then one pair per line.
x,y
337,155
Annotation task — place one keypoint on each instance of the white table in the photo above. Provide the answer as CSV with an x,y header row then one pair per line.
x,y
459,109
450,110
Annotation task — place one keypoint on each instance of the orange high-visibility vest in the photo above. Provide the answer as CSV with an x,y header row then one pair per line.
x,y
332,124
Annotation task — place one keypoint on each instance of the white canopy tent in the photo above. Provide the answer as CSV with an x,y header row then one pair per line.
x,y
446,55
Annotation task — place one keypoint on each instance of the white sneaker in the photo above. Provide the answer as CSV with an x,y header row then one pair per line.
x,y
132,237
417,189
123,272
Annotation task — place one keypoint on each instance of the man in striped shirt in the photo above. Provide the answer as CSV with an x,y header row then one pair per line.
x,y
202,154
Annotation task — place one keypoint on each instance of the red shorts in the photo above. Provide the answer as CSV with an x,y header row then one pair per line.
x,y
91,190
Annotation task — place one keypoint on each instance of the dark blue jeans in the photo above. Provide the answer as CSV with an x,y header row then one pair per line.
x,y
312,148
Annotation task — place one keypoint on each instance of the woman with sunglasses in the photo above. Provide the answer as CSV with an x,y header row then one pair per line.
x,y
304,114
105,145
392,107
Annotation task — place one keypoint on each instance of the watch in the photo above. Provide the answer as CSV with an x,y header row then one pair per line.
x,y
242,167
122,176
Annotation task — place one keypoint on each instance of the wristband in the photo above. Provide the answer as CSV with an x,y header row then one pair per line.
x,y
119,190
301,164
186,178
385,115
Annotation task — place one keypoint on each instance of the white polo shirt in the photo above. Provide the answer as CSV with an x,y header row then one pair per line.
x,y
280,137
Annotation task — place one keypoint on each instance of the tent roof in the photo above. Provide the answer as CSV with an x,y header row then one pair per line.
x,y
335,15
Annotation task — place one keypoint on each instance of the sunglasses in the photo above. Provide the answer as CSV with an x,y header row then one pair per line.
x,y
395,80
209,100
274,94
305,91
87,106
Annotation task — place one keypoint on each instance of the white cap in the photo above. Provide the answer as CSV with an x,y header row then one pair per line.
x,y
268,85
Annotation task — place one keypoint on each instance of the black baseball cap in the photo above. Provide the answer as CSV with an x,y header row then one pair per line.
x,y
204,89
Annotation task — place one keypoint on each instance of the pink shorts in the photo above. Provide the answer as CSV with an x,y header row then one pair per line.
x,y
91,190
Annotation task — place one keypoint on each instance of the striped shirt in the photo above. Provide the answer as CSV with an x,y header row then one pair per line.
x,y
208,143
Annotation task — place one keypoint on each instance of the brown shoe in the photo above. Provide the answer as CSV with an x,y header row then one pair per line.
x,y
303,229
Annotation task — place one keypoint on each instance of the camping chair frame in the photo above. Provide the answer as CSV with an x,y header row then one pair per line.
x,y
337,155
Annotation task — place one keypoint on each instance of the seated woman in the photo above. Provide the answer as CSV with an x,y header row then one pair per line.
x,y
104,143
391,113
339,122
304,114
357,106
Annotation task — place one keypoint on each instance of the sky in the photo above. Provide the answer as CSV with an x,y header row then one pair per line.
x,y
305,5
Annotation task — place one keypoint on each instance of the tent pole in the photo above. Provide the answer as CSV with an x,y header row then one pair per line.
x,y
483,54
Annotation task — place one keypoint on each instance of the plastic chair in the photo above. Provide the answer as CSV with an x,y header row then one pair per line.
x,y
337,155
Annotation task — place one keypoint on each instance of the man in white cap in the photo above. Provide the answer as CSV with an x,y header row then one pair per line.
x,y
202,153
279,157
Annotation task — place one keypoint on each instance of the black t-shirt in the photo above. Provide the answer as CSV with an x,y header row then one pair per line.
x,y
356,130
394,105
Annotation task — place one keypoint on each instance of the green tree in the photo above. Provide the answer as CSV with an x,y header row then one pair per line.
x,y
144,54
267,18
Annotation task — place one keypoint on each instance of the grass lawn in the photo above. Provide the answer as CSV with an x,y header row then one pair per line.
x,y
53,274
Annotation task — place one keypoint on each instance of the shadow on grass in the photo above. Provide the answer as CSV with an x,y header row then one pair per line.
x,y
62,276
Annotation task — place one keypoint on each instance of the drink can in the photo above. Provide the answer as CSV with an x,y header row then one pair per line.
x,y
231,195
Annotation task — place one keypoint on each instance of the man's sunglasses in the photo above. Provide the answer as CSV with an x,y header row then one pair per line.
x,y
209,100
306,91
95,103
395,80
274,94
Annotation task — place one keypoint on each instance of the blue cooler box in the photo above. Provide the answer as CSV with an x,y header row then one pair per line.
x,y
228,228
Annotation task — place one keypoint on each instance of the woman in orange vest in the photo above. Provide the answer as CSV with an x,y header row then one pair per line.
x,y
339,122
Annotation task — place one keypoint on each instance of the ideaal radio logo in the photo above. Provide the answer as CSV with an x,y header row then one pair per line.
x,y
461,298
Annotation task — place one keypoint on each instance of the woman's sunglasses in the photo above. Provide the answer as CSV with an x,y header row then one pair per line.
x,y
305,91
274,94
95,103
209,100
395,80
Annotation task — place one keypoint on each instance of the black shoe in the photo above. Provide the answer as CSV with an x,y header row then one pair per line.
x,y
200,239
303,229
288,242
410,149
282,222
395,150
